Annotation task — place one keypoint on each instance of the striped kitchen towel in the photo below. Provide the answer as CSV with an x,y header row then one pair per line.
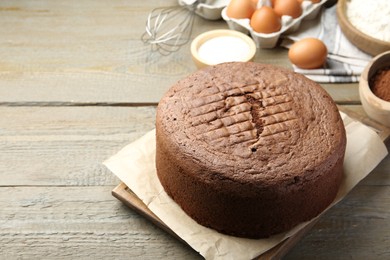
x,y
345,61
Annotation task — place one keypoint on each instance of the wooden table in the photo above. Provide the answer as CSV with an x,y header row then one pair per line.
x,y
76,85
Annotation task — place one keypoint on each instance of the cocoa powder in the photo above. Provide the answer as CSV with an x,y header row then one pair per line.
x,y
380,84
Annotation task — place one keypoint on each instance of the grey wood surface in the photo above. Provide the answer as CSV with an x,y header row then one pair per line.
x,y
76,85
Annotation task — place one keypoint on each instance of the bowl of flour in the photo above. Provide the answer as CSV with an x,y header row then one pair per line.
x,y
366,24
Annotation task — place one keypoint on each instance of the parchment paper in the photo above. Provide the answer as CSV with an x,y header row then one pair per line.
x,y
135,166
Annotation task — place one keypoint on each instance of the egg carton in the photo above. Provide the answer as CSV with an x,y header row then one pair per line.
x,y
208,9
269,40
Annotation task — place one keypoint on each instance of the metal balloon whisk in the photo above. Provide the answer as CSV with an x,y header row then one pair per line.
x,y
169,28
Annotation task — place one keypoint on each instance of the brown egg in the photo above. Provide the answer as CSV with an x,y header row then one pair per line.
x,y
240,9
288,7
308,53
265,20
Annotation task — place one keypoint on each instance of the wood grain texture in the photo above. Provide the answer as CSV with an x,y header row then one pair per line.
x,y
86,52
362,223
78,223
76,85
66,145
356,228
53,153
121,85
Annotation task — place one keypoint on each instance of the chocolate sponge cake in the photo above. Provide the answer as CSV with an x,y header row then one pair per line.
x,y
248,149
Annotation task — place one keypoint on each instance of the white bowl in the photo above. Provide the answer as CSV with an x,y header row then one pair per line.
x,y
375,107
361,40
201,61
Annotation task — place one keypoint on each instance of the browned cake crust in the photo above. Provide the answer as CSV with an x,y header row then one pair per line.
x,y
249,149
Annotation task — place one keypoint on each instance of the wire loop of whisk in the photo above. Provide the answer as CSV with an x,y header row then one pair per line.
x,y
169,28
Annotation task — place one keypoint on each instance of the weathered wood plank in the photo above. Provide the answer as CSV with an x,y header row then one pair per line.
x,y
20,126
78,222
85,51
109,87
66,23
86,86
87,222
356,228
139,81
55,195
92,52
67,145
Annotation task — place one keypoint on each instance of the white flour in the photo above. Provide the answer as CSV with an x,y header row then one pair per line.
x,y
224,49
372,17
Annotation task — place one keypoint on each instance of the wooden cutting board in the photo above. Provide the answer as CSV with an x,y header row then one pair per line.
x,y
130,199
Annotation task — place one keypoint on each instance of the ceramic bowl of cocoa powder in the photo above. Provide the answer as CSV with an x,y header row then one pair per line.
x,y
374,88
